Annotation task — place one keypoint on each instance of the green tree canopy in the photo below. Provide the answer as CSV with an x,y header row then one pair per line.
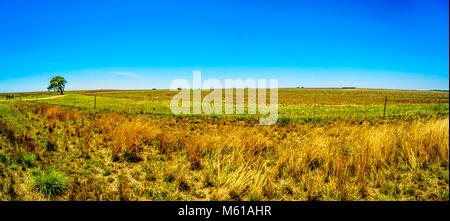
x,y
57,84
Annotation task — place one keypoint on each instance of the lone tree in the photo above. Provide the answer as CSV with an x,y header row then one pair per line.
x,y
57,84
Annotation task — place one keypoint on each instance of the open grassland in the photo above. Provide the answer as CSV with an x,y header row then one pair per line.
x,y
328,145
286,96
295,105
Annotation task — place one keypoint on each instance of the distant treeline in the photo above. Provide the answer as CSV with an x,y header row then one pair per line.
x,y
440,90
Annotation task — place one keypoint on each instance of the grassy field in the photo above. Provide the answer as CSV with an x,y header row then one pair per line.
x,y
295,105
329,144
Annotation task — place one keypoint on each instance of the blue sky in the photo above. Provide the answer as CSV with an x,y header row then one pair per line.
x,y
146,44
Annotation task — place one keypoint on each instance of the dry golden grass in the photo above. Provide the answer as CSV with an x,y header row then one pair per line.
x,y
166,159
300,161
128,136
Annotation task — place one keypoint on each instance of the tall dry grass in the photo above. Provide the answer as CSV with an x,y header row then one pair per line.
x,y
216,159
339,160
128,136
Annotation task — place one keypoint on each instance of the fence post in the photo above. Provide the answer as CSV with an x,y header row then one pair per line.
x,y
95,101
384,112
314,109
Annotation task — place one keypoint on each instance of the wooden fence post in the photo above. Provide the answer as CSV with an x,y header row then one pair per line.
x,y
384,112
314,109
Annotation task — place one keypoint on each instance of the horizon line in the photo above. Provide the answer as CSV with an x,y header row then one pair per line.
x,y
167,89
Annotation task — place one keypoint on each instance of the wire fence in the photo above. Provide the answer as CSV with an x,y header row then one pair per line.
x,y
385,107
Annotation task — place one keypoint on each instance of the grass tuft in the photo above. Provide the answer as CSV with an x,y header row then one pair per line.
x,y
50,182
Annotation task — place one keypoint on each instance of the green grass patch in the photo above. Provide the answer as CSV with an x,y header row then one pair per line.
x,y
50,182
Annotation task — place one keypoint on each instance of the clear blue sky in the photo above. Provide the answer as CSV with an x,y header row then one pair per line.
x,y
147,44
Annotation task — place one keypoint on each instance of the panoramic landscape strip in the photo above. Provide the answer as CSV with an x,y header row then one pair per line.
x,y
328,144
214,109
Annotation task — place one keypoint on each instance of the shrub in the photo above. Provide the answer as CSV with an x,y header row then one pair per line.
x,y
50,182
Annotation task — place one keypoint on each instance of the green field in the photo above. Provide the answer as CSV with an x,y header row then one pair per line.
x,y
294,104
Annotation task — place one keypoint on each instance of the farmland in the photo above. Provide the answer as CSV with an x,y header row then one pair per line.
x,y
294,104
328,144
